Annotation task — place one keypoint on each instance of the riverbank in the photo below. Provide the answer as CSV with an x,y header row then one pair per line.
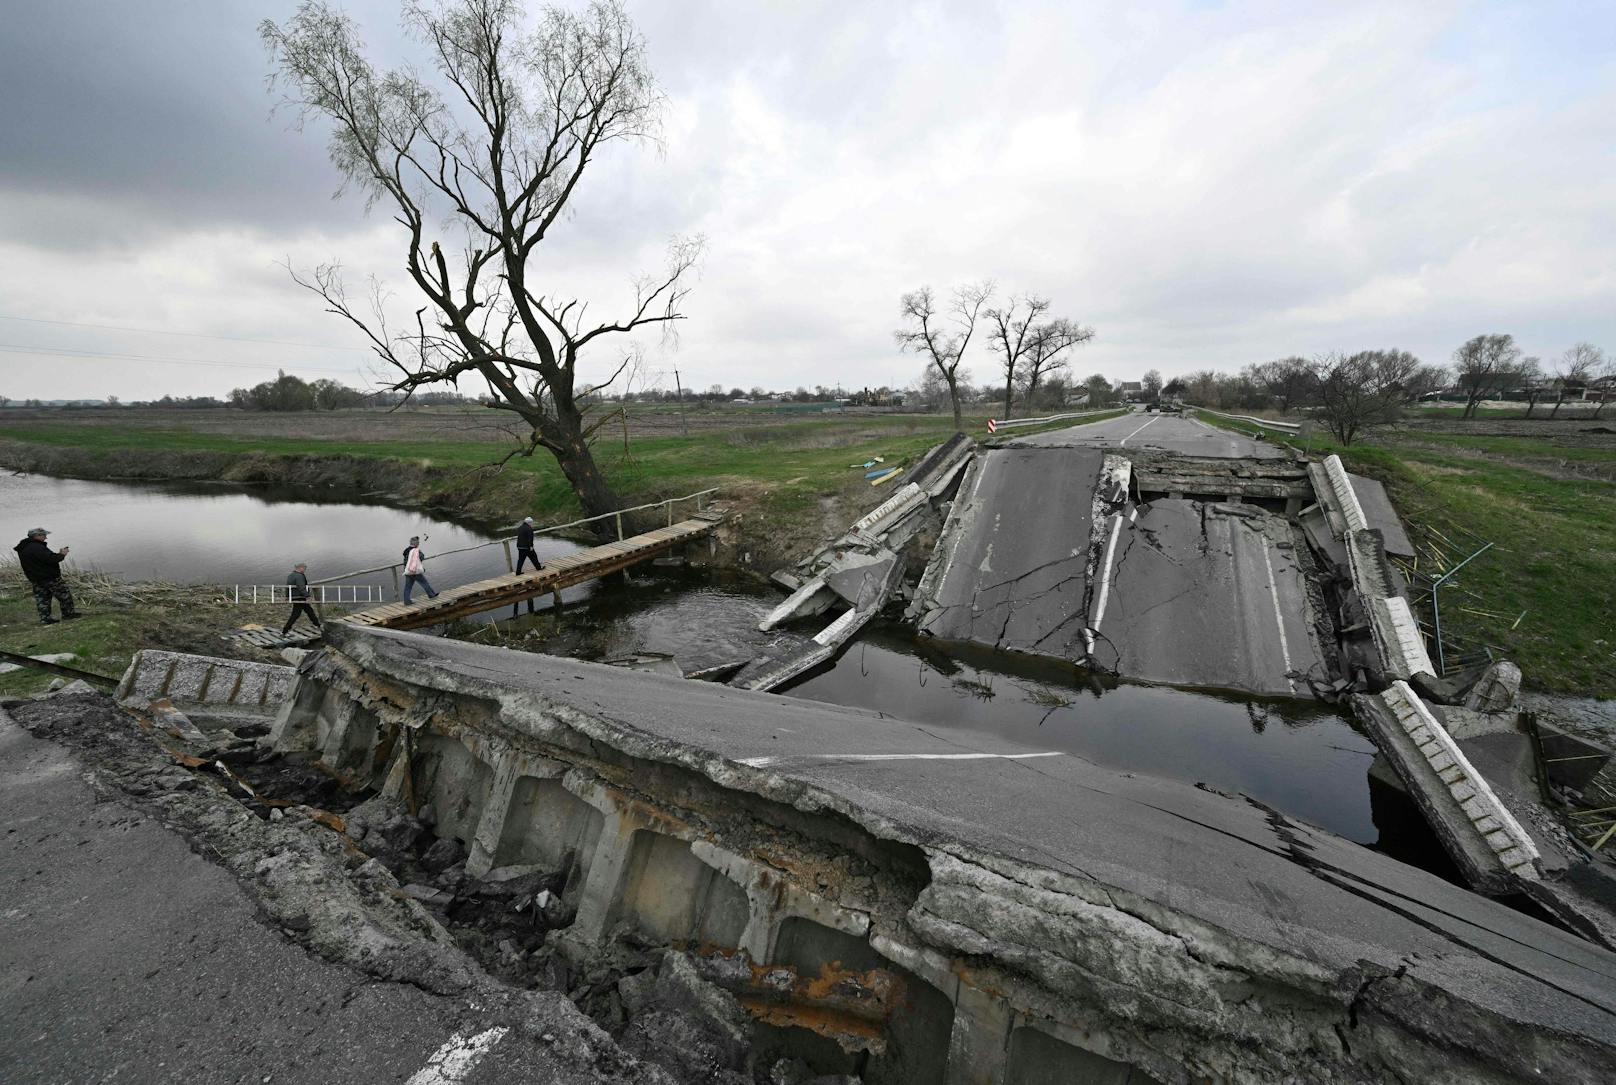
x,y
1544,594
790,484
119,619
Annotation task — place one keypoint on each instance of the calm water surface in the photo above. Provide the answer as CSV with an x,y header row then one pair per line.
x,y
218,535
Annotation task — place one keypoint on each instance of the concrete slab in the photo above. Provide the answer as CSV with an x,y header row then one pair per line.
x,y
1378,512
1206,594
1016,577
1271,903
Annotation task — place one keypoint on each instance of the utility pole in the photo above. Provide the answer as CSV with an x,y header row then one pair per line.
x,y
680,392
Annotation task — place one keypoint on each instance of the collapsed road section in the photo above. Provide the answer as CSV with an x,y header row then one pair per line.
x,y
1062,551
918,904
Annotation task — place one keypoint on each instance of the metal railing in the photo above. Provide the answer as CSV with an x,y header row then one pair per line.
x,y
318,592
507,540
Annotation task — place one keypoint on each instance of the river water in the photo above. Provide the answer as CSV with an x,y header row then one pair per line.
x,y
1302,758
224,536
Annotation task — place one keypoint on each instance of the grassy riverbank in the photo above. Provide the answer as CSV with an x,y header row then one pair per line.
x,y
118,619
791,479
1544,595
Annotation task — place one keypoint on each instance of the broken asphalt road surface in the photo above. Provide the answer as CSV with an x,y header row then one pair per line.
x,y
1207,594
1017,574
1168,432
126,956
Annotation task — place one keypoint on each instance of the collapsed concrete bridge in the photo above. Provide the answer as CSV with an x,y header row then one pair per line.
x,y
943,907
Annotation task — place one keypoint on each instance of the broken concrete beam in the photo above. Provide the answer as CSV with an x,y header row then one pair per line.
x,y
878,519
205,688
1398,638
1346,498
1105,923
1476,828
809,599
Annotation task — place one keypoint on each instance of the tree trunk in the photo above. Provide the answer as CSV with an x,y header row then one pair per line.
x,y
1531,401
1559,400
953,398
1009,383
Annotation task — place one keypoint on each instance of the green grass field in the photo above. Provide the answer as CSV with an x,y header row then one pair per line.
x,y
1545,594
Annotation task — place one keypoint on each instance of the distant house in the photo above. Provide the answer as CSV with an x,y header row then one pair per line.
x,y
1131,391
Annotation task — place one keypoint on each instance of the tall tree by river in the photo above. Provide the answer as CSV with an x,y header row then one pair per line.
x,y
489,159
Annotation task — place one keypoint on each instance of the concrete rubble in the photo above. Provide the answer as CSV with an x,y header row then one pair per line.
x,y
861,569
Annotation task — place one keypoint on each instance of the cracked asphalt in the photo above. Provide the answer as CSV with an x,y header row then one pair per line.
x,y
127,957
1252,875
1018,579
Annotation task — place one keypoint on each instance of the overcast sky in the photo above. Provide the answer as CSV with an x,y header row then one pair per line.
x,y
1207,184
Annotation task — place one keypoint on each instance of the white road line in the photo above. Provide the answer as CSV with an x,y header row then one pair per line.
x,y
1105,581
764,762
458,1056
1279,617
1147,425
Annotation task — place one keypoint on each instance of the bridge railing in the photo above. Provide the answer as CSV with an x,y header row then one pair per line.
x,y
699,498
318,593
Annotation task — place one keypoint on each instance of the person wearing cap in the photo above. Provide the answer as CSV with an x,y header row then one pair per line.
x,y
524,545
43,568
297,593
415,570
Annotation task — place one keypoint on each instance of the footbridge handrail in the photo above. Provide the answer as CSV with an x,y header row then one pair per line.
x,y
506,540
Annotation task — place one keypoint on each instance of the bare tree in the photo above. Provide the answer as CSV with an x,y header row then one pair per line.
x,y
490,159
1152,384
1577,366
942,338
1529,378
1045,345
1360,390
1484,366
1008,334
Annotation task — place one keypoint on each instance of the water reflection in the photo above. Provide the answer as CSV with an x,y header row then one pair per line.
x,y
194,533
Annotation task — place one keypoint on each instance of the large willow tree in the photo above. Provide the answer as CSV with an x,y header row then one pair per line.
x,y
477,165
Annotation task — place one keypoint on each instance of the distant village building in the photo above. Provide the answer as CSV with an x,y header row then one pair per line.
x,y
1131,391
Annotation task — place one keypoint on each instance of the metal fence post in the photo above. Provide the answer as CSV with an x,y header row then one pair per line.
x,y
1436,608
510,567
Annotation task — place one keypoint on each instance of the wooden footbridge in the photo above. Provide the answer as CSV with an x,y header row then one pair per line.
x,y
558,573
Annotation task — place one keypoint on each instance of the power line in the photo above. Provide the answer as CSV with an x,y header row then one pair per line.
x,y
187,335
205,363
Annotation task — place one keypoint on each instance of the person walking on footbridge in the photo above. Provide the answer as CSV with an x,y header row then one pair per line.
x,y
297,592
43,568
524,545
415,570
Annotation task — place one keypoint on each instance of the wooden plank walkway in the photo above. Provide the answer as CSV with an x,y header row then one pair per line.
x,y
558,573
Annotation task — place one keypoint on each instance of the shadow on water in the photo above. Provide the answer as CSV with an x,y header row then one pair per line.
x,y
1301,757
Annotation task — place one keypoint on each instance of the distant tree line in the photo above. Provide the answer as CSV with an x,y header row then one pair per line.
x,y
289,393
1350,392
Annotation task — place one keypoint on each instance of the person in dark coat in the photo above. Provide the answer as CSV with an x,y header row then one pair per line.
x,y
43,568
297,591
524,545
